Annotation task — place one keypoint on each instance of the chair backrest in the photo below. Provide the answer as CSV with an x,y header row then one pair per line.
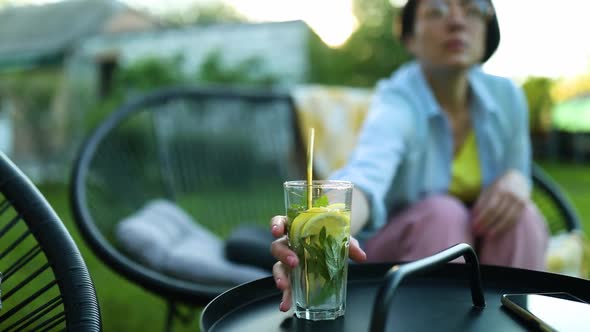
x,y
45,285
552,202
221,155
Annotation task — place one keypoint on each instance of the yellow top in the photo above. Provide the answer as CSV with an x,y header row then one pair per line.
x,y
466,172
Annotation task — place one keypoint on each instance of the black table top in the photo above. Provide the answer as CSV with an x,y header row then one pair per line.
x,y
435,301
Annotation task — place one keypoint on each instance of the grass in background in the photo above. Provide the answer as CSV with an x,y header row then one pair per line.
x,y
124,306
575,182
127,307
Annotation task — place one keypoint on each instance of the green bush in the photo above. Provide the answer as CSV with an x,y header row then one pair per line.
x,y
151,73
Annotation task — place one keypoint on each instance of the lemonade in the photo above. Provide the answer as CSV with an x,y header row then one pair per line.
x,y
320,236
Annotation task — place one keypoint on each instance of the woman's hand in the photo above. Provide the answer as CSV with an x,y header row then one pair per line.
x,y
500,206
287,259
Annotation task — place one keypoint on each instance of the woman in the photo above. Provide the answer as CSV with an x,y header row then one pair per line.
x,y
444,155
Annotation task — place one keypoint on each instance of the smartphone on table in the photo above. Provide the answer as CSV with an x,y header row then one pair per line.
x,y
551,312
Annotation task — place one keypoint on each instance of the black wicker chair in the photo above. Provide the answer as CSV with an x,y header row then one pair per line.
x,y
557,209
45,284
220,154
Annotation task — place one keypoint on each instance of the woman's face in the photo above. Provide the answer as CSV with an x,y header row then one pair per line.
x,y
449,34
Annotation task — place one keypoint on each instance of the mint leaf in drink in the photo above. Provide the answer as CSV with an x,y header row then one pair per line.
x,y
331,268
315,259
323,237
321,201
324,258
332,249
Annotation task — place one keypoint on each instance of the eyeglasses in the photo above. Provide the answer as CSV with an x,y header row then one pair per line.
x,y
472,9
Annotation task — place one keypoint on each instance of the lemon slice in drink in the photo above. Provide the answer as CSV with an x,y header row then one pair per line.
x,y
335,207
299,221
336,224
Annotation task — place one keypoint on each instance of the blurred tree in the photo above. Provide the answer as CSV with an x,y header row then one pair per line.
x,y
33,100
248,71
151,73
372,52
208,13
538,93
567,88
138,77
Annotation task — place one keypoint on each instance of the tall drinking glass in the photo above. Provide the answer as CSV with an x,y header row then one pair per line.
x,y
320,235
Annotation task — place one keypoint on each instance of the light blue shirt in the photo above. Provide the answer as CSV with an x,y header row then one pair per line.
x,y
405,149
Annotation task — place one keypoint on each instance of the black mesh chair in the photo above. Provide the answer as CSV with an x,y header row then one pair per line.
x,y
221,155
45,283
552,202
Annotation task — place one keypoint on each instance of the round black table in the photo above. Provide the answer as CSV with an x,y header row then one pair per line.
x,y
430,297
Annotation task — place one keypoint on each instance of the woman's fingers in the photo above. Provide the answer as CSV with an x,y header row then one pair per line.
x,y
511,211
499,207
285,304
287,260
500,216
280,248
355,252
277,226
280,273
281,251
485,215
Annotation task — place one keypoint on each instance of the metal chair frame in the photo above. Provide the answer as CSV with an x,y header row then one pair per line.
x,y
175,291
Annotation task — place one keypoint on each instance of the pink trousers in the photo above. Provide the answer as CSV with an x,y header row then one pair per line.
x,y
441,221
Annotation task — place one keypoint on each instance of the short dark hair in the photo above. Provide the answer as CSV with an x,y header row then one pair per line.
x,y
408,15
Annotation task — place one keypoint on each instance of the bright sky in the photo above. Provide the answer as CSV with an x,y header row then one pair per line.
x,y
539,37
543,38
332,20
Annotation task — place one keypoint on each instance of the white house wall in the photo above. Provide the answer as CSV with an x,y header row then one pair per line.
x,y
283,46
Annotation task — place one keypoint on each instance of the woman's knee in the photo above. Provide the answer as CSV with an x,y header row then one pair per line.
x,y
445,209
532,224
523,246
425,228
530,231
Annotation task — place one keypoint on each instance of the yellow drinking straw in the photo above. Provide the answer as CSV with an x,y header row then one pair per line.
x,y
310,167
309,197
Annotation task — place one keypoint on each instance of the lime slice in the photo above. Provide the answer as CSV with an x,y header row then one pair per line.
x,y
336,224
299,221
336,207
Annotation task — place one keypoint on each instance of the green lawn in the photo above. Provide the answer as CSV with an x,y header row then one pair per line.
x,y
126,307
575,181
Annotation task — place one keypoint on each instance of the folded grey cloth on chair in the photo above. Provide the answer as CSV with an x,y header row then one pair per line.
x,y
165,238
